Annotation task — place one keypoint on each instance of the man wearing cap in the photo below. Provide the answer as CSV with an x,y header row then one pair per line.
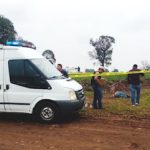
x,y
97,84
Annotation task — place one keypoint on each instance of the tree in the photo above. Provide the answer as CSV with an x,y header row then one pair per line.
x,y
145,65
7,31
89,70
48,54
115,70
102,49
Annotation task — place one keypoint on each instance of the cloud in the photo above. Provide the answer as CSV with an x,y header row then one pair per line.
x,y
65,26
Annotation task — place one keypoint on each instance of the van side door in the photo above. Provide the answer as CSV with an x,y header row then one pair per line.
x,y
23,85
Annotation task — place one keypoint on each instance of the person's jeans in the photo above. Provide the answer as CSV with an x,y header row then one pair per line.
x,y
97,99
135,93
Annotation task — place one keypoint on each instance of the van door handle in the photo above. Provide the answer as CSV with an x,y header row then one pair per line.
x,y
7,87
0,87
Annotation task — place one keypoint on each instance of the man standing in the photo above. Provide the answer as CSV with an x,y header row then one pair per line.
x,y
97,82
135,85
63,71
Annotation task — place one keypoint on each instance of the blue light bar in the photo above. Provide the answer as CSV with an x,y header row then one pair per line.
x,y
13,43
21,43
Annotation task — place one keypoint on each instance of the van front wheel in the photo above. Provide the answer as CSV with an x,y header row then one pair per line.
x,y
47,112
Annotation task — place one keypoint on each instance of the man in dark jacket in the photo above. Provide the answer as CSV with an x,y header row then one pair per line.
x,y
63,71
135,85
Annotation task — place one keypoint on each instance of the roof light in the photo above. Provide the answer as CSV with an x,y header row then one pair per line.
x,y
13,43
21,43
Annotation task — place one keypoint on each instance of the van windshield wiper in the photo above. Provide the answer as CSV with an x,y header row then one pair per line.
x,y
57,77
54,77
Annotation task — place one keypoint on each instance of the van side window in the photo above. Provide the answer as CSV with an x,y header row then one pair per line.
x,y
24,73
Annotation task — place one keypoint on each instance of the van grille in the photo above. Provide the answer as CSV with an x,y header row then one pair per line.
x,y
80,94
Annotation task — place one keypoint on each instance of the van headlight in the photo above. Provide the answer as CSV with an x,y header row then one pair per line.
x,y
72,95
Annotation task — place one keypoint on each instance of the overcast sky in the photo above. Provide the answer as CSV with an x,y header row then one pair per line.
x,y
66,26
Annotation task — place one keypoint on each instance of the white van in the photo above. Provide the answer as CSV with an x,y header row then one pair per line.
x,y
31,84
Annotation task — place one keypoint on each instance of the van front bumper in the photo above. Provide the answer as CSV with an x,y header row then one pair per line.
x,y
71,106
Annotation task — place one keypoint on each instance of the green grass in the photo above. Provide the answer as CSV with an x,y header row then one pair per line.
x,y
108,78
122,107
117,106
111,78
147,76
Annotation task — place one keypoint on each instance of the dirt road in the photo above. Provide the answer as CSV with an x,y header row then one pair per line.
x,y
21,133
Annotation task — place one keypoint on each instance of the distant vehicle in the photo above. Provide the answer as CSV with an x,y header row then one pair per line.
x,y
30,84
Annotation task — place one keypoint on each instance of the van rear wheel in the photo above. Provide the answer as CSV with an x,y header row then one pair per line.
x,y
47,112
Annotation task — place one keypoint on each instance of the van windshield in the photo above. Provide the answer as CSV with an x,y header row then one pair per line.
x,y
49,70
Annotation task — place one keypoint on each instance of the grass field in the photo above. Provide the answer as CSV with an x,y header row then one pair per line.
x,y
119,106
116,106
111,78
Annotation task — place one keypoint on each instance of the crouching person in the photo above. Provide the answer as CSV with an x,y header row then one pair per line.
x,y
121,94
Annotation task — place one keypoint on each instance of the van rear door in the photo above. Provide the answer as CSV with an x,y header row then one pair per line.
x,y
2,108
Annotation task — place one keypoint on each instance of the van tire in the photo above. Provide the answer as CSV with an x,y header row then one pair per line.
x,y
47,112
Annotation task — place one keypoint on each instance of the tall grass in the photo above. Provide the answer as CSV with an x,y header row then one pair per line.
x,y
119,106
111,77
